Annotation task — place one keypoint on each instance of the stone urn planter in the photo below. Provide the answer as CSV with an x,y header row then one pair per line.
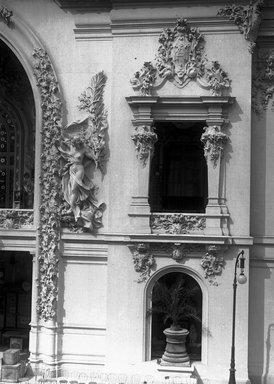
x,y
175,302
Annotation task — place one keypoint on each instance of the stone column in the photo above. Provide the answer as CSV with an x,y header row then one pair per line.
x,y
33,341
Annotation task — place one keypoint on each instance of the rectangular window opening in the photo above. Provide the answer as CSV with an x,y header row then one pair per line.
x,y
178,173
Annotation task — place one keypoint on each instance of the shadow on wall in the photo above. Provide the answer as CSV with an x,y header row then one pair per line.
x,y
268,376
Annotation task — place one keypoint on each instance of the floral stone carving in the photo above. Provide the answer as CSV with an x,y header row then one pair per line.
x,y
5,14
181,59
212,264
263,83
214,141
15,219
247,18
144,139
177,223
83,150
50,203
143,261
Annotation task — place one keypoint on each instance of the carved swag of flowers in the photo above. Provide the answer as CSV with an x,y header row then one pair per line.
x,y
212,264
50,203
177,223
90,143
143,261
214,141
263,83
247,18
144,139
180,59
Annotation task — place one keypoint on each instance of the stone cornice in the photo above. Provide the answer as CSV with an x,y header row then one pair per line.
x,y
17,240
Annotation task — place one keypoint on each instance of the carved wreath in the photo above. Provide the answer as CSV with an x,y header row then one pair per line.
x,y
180,59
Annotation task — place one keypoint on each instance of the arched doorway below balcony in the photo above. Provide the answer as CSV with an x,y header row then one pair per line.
x,y
194,340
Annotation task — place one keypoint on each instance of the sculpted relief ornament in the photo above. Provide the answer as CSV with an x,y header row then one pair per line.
x,y
5,14
143,261
212,264
144,139
181,59
83,151
214,141
247,18
263,82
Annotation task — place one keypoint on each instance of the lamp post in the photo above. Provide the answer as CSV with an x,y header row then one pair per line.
x,y
241,280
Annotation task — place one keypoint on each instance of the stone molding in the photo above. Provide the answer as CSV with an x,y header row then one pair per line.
x,y
144,139
83,147
247,18
5,15
212,264
49,228
181,59
214,141
263,82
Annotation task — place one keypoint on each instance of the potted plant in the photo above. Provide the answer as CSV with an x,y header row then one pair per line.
x,y
176,303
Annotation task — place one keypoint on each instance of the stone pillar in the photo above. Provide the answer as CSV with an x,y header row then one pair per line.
x,y
33,340
144,139
214,141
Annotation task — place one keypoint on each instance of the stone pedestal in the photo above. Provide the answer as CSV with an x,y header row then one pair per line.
x,y
175,352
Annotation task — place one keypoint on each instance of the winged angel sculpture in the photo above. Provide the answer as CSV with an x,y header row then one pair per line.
x,y
83,150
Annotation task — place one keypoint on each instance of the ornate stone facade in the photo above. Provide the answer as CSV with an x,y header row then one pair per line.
x,y
50,203
212,264
83,150
214,141
181,59
247,18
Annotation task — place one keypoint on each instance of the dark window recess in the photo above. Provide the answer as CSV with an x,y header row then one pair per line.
x,y
178,174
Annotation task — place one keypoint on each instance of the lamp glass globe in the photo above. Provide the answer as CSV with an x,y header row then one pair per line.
x,y
242,279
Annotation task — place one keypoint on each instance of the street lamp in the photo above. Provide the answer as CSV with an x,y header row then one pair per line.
x,y
241,280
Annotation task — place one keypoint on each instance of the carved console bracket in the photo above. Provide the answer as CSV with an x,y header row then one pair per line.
x,y
83,150
181,59
247,18
5,15
212,264
143,261
49,228
263,82
214,141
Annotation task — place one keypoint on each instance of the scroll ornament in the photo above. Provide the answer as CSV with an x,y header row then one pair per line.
x,y
214,141
212,264
247,18
263,83
49,228
83,151
5,14
144,139
181,59
143,261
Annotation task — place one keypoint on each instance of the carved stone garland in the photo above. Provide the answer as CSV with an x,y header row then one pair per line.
x,y
16,219
5,14
181,59
263,83
143,261
214,141
212,264
247,18
144,139
83,150
50,186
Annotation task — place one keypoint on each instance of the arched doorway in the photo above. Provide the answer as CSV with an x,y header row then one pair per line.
x,y
17,133
158,322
